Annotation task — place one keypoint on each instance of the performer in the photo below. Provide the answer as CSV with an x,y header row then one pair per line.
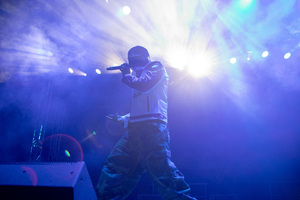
x,y
145,145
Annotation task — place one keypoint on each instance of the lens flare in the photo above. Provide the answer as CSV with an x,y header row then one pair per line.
x,y
67,146
67,153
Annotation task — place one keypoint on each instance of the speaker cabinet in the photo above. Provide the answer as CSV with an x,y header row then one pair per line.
x,y
59,181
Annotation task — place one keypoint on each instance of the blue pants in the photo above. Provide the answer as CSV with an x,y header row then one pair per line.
x,y
144,147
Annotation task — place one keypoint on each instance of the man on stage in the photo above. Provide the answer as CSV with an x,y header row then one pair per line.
x,y
145,145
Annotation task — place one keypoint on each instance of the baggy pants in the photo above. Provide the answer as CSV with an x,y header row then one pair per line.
x,y
144,147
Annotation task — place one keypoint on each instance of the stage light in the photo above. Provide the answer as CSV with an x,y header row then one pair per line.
x,y
249,55
232,60
126,10
71,70
265,54
98,71
199,71
245,4
177,58
199,67
287,55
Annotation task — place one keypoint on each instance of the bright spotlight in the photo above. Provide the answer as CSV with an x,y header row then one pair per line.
x,y
98,71
232,60
249,55
248,1
71,70
265,54
177,58
126,10
245,4
287,55
200,67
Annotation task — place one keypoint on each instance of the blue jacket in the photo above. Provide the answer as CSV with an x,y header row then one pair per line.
x,y
149,93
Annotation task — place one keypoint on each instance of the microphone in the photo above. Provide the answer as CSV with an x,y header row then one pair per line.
x,y
114,68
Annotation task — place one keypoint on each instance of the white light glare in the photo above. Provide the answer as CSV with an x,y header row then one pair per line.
x,y
232,60
249,55
265,54
287,55
177,58
98,71
200,66
71,70
126,10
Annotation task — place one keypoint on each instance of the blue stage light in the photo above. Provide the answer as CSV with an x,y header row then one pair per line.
x,y
232,60
71,70
245,4
98,71
126,10
200,66
265,54
287,55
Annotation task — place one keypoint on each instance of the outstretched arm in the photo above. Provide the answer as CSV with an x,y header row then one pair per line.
x,y
144,83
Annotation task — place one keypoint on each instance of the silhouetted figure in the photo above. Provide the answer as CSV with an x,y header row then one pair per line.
x,y
145,145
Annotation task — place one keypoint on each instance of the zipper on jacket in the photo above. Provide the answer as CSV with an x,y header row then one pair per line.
x,y
148,106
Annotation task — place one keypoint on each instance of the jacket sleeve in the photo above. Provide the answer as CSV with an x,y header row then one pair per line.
x,y
147,81
125,119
